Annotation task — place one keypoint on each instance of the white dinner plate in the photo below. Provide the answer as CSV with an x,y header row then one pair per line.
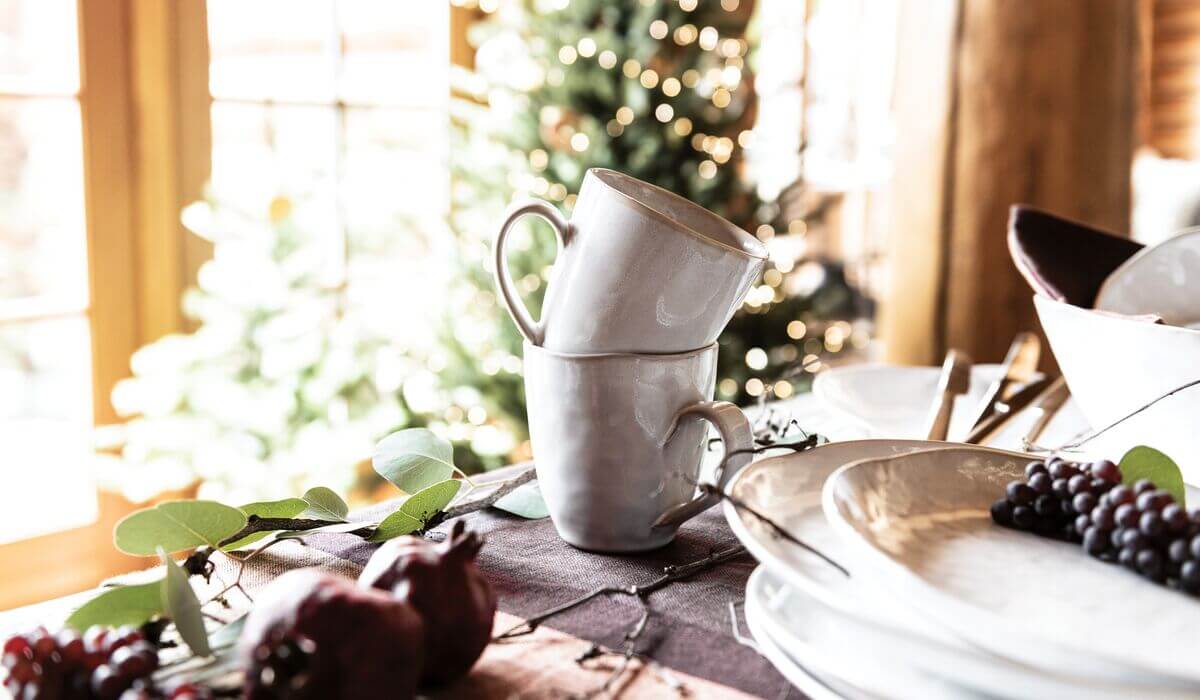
x,y
922,521
822,644
893,401
817,686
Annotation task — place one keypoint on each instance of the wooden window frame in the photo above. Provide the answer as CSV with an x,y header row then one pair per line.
x,y
144,107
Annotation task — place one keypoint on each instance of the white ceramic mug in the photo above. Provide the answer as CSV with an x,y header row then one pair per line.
x,y
618,441
639,269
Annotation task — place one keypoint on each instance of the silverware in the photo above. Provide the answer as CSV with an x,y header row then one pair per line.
x,y
1047,404
954,381
1020,365
1007,409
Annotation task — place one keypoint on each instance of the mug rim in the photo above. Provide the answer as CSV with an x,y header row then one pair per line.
x,y
759,252
666,356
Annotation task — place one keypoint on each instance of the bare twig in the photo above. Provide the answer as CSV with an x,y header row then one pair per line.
x,y
1085,437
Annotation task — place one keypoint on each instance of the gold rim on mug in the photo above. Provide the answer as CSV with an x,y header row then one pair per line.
x,y
529,345
606,177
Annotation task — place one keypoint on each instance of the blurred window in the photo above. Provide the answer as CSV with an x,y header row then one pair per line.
x,y
340,106
46,381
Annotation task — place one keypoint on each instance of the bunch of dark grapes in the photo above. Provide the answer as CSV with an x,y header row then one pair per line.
x,y
101,664
1138,526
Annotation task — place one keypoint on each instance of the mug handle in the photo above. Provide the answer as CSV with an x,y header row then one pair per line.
x,y
738,439
534,331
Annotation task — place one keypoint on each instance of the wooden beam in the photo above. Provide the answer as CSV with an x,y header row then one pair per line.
x,y
171,107
1042,110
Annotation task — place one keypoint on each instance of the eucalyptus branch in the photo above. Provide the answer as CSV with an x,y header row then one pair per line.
x,y
256,524
502,489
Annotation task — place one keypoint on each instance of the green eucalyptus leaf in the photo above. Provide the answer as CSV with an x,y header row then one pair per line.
x,y
417,509
430,501
228,634
414,459
1144,462
177,525
120,605
525,500
324,504
393,526
183,607
286,508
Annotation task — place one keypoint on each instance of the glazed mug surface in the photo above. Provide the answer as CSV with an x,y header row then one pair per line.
x,y
618,441
639,269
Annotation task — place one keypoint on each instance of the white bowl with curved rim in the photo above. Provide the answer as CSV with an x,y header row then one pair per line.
x,y
893,401
1115,365
1161,280
922,521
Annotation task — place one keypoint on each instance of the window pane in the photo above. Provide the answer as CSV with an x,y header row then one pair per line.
x,y
262,152
395,163
45,427
38,49
43,241
396,53
272,49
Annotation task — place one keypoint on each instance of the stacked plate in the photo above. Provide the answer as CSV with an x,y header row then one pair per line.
x,y
918,594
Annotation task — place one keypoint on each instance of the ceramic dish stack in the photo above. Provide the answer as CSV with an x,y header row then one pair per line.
x,y
930,599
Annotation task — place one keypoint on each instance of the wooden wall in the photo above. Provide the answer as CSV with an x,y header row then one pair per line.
x,y
1000,102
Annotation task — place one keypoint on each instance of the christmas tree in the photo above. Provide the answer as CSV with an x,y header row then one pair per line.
x,y
662,91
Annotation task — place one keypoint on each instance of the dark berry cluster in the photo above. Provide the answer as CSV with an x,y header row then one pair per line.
x,y
101,664
1139,526
282,661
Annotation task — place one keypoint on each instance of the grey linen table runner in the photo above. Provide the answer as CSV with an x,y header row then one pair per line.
x,y
689,626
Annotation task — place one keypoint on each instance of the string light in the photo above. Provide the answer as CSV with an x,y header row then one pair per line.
x,y
731,48
772,277
754,386
567,55
631,68
539,159
708,38
624,116
746,138
683,126
671,87
607,59
698,141
756,358
765,232
708,169
687,5
664,113
729,5
658,29
783,389
727,387
798,227
614,128
732,75
587,47
686,34
690,77
580,142
721,98
649,78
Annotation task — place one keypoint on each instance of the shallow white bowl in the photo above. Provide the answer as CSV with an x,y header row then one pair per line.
x,y
1163,280
922,521
1115,365
893,401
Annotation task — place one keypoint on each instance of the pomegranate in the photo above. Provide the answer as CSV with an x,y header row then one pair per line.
x,y
445,586
314,636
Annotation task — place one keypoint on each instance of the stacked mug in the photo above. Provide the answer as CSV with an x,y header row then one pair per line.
x,y
621,367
